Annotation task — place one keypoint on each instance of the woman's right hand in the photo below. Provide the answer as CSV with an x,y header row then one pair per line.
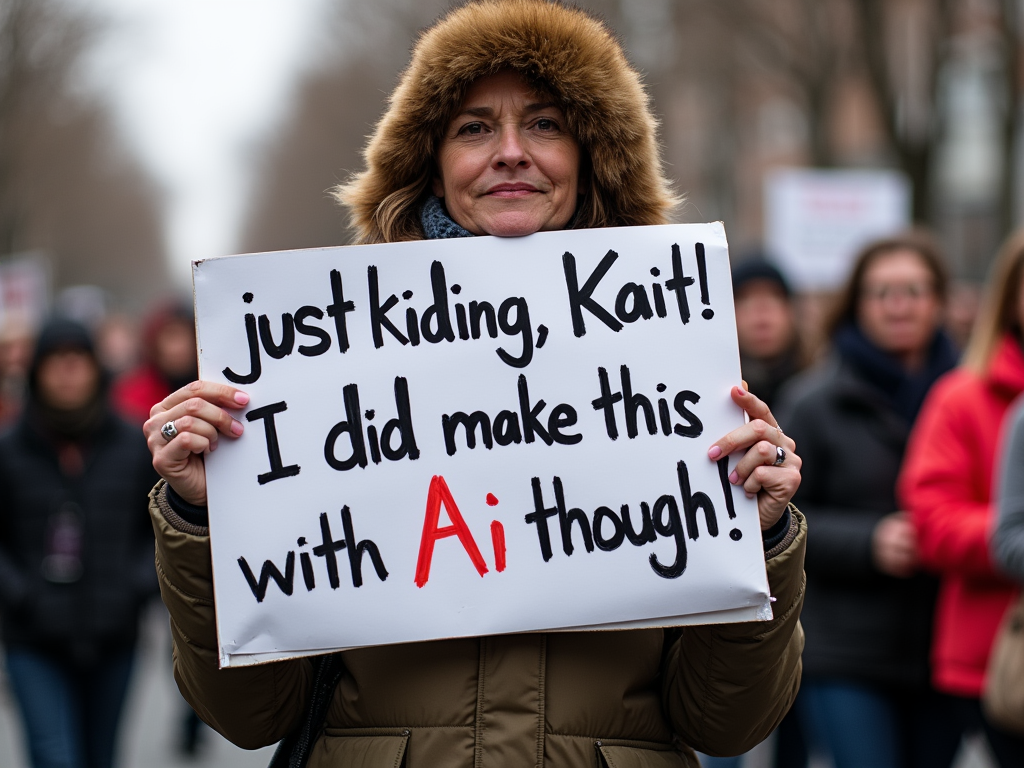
x,y
199,416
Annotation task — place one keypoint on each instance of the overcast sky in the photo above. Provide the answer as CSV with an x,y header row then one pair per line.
x,y
196,84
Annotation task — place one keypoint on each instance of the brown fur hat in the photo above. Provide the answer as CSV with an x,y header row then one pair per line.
x,y
563,52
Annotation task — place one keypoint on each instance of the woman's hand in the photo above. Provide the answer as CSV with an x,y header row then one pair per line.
x,y
757,470
199,416
894,545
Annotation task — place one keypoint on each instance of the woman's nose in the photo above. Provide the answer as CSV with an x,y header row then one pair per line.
x,y
511,150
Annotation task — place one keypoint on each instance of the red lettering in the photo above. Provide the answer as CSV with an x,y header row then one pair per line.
x,y
437,495
498,540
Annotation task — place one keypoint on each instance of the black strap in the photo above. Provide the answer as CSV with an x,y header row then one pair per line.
x,y
294,749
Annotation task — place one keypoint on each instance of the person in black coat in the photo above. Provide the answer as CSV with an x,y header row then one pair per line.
x,y
76,553
868,612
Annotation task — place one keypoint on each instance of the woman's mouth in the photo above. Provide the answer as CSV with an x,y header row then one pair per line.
x,y
512,190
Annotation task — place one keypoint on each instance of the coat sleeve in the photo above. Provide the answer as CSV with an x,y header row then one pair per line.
x,y
1008,538
840,539
250,706
727,686
15,583
945,485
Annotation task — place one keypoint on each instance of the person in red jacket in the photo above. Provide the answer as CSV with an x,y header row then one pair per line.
x,y
946,483
169,362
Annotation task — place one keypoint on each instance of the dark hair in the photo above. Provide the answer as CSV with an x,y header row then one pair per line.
x,y
918,241
759,269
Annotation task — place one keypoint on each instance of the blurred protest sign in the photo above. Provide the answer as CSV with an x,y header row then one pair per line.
x,y
24,289
816,220
475,436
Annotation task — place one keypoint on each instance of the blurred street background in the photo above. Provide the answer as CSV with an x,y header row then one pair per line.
x,y
151,729
137,136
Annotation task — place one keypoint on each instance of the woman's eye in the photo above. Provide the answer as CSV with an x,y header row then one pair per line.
x,y
547,124
471,129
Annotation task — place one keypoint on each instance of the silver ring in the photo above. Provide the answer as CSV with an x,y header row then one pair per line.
x,y
169,431
780,456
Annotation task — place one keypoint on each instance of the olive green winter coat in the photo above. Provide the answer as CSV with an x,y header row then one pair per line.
x,y
559,700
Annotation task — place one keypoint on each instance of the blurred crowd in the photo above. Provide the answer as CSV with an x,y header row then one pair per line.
x,y
899,391
76,546
900,407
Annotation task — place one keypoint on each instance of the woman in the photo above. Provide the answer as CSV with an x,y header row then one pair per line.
x,y
946,484
169,361
76,554
514,116
868,608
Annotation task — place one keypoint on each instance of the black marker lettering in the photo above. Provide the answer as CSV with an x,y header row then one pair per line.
x,y
539,517
694,501
278,351
340,308
254,355
606,402
520,326
312,350
694,427
277,468
580,299
379,312
438,311
678,283
531,424
673,528
268,572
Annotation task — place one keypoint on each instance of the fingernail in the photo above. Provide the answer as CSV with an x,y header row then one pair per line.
x,y
236,427
751,496
714,452
734,477
241,398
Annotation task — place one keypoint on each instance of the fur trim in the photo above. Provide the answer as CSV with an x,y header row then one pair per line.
x,y
562,51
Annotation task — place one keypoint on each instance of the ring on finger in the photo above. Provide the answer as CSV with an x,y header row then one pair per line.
x,y
169,431
780,456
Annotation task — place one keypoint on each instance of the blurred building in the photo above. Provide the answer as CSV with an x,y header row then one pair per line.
x,y
928,88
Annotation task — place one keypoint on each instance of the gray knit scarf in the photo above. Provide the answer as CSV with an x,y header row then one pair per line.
x,y
437,224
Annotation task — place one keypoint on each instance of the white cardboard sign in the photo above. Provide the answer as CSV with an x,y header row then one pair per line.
x,y
816,220
467,437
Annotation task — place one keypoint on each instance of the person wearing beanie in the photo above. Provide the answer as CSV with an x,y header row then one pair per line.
x,y
770,353
76,553
513,117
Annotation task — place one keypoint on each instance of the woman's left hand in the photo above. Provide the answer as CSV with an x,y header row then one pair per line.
x,y
757,471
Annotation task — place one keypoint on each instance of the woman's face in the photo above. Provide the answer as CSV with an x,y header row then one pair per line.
x,y
899,310
507,166
176,349
67,379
